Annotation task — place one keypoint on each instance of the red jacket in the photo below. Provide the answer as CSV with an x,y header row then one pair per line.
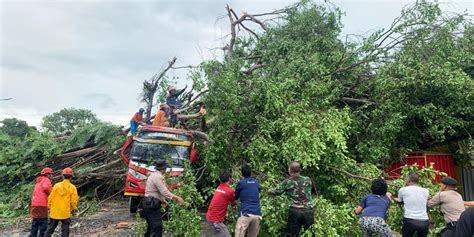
x,y
41,192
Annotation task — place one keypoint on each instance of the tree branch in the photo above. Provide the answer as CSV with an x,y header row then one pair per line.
x,y
150,87
350,174
253,68
354,100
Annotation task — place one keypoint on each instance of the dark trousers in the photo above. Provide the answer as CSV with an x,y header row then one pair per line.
x,y
53,223
38,224
464,226
173,119
412,226
297,218
154,222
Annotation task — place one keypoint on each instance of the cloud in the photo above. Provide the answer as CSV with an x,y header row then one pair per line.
x,y
96,54
101,100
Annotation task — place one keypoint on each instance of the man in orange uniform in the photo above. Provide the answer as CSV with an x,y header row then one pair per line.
x,y
136,120
39,203
62,203
160,117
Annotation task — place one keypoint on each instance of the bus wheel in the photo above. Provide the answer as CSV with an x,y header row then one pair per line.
x,y
134,203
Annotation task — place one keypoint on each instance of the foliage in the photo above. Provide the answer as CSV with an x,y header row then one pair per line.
x,y
15,127
343,110
139,228
464,151
187,214
97,134
66,120
22,159
424,92
333,220
16,203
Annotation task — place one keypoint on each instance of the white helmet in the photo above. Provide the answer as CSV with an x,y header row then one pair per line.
x,y
171,87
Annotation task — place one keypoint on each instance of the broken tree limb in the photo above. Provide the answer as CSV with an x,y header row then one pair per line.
x,y
150,88
353,100
189,116
253,68
350,174
78,153
200,135
236,22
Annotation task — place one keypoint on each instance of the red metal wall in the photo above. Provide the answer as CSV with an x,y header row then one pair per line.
x,y
441,162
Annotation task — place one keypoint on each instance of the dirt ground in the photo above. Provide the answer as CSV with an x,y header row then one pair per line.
x,y
112,219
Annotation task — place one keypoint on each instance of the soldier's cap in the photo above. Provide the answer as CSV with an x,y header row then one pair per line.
x,y
449,181
161,164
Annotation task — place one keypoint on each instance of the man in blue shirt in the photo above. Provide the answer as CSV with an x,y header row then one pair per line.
x,y
173,103
248,191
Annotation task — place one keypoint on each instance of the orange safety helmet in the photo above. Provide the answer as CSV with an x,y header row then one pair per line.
x,y
67,171
46,171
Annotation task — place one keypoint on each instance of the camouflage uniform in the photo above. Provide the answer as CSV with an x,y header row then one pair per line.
x,y
300,213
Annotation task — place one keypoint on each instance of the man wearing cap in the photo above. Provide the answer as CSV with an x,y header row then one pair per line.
x,y
39,203
173,103
298,190
156,193
62,204
136,120
451,204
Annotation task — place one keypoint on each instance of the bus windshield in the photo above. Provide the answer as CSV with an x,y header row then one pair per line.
x,y
148,153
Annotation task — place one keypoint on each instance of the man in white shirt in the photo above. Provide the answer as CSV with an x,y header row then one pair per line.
x,y
414,199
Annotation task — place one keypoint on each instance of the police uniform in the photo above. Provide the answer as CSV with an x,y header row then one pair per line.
x,y
156,192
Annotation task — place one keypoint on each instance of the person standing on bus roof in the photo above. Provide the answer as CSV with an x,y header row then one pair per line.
x,y
160,117
136,120
173,102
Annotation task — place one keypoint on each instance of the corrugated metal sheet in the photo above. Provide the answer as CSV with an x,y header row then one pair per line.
x,y
442,162
468,183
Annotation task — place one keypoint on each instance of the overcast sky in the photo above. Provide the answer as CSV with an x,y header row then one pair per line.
x,y
95,54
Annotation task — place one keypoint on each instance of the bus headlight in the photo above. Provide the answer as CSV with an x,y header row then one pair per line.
x,y
137,174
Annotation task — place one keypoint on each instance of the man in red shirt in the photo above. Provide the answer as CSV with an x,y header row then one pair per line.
x,y
218,208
